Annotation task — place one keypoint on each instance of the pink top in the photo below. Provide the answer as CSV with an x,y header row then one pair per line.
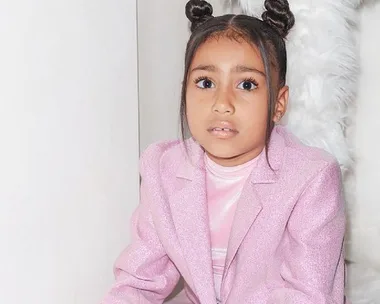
x,y
224,186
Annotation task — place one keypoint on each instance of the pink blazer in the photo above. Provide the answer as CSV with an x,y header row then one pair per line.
x,y
286,244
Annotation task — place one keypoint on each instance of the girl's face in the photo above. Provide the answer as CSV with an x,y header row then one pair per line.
x,y
227,100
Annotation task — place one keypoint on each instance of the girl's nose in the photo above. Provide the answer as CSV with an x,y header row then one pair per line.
x,y
223,104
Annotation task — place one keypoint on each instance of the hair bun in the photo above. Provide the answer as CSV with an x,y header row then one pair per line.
x,y
198,11
278,16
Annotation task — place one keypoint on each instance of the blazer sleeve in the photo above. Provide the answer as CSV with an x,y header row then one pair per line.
x,y
144,273
314,269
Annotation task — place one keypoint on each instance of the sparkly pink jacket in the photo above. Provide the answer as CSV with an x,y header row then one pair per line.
x,y
286,244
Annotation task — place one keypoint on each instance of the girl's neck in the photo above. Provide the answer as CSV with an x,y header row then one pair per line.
x,y
228,172
236,160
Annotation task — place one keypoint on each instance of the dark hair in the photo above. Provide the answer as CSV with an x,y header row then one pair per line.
x,y
267,34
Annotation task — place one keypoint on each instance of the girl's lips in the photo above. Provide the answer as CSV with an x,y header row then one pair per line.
x,y
223,132
223,126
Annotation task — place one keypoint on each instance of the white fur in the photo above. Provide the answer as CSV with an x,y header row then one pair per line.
x,y
322,71
322,75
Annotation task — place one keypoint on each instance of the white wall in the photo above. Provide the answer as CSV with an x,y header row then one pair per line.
x,y
368,137
162,37
364,277
69,146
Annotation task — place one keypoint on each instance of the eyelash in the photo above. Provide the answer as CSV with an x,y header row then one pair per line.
x,y
200,78
248,79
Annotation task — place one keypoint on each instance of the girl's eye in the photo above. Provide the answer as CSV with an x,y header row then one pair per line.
x,y
204,83
247,85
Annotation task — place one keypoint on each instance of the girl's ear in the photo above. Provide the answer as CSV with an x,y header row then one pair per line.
x,y
281,104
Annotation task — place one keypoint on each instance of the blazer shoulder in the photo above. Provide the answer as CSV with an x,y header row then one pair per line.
x,y
308,157
159,154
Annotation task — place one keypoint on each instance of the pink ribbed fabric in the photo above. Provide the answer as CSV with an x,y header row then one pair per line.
x,y
224,187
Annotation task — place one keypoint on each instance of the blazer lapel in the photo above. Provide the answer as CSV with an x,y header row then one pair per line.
x,y
190,216
249,207
250,203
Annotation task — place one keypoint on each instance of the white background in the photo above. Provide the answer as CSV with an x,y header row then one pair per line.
x,y
69,146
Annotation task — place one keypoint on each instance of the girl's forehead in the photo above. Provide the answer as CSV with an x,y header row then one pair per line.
x,y
222,50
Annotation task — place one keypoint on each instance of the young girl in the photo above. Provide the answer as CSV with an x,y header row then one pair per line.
x,y
242,210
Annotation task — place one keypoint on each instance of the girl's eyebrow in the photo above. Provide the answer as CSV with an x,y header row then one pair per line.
x,y
237,69
203,67
243,69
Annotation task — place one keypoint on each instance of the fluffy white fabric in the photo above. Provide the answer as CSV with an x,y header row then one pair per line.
x,y
322,71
